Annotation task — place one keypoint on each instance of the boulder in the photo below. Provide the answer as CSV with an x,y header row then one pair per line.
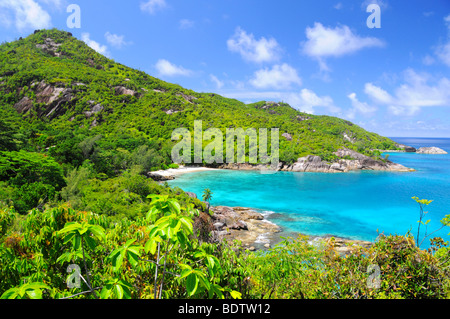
x,y
191,195
431,150
96,109
406,148
287,136
243,224
121,90
160,177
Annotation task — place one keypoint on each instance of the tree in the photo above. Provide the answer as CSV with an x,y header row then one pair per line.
x,y
6,137
207,196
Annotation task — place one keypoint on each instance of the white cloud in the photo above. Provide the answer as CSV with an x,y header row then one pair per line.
x,y
279,77
152,6
428,60
117,41
338,6
186,24
378,94
219,84
359,107
166,68
102,49
443,51
262,50
326,42
414,94
307,100
24,14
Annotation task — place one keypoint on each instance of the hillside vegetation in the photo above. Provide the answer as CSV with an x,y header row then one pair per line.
x,y
78,134
61,99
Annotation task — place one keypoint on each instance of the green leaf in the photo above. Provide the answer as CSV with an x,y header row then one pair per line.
x,y
175,206
118,291
90,242
187,225
236,294
192,283
182,239
216,289
97,231
12,293
152,215
152,245
116,258
133,258
76,242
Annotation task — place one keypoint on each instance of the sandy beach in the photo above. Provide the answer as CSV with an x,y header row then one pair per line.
x,y
182,170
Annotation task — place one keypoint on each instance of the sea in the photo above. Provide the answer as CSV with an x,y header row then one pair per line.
x,y
358,205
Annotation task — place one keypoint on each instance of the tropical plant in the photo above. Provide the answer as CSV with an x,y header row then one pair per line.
x,y
422,204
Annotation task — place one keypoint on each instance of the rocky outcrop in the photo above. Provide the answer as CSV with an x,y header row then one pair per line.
x,y
24,105
287,136
242,224
94,110
431,150
358,161
56,99
187,98
121,90
253,231
251,167
406,148
350,161
158,177
50,47
302,118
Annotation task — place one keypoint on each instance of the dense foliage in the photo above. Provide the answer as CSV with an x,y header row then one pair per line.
x,y
80,219
160,256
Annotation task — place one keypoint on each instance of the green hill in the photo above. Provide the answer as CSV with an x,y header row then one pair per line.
x,y
66,104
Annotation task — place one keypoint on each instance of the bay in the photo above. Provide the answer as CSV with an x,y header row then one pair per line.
x,y
355,205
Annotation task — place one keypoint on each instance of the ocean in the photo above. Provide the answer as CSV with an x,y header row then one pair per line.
x,y
356,205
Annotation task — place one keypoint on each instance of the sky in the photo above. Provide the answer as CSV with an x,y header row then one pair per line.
x,y
386,69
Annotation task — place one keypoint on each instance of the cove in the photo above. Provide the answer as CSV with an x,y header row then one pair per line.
x,y
354,205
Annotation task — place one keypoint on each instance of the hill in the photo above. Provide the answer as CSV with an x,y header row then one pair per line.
x,y
67,107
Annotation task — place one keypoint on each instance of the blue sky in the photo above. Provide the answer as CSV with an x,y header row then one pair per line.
x,y
319,56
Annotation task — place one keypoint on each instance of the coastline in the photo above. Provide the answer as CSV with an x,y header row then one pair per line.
x,y
258,232
251,227
171,173
255,232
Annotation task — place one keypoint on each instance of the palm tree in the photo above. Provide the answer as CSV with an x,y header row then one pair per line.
x,y
207,196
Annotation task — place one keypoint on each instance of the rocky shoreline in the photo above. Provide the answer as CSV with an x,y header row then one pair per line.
x,y
349,161
243,224
255,232
421,150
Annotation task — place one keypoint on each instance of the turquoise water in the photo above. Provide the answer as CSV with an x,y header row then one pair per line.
x,y
352,205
